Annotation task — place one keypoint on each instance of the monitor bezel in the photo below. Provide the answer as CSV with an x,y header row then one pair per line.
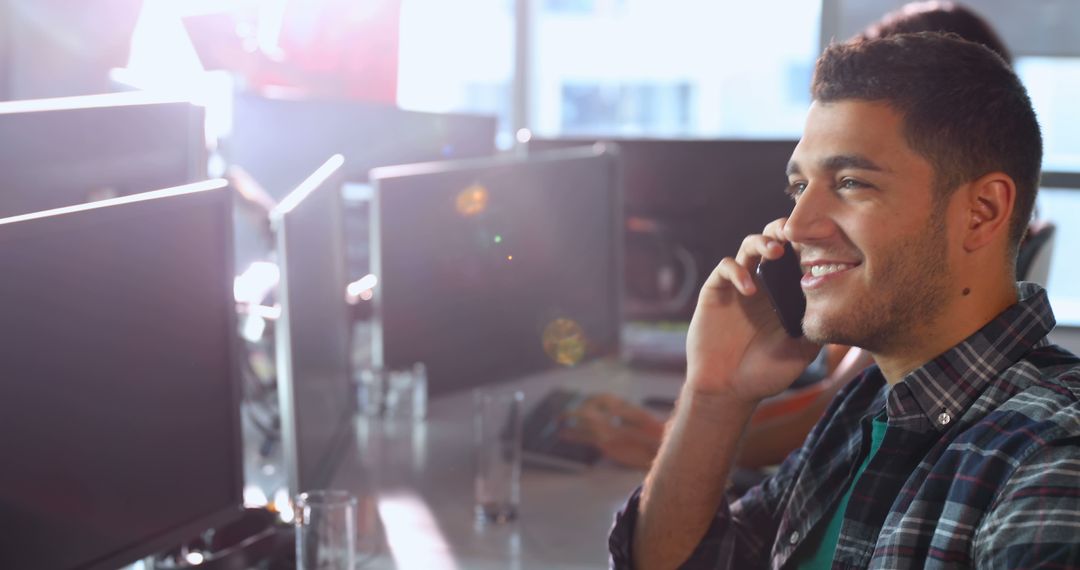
x,y
382,176
160,202
84,112
328,177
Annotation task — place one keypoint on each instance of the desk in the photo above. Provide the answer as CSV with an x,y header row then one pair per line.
x,y
421,476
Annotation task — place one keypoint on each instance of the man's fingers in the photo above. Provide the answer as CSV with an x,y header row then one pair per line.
x,y
775,230
729,271
739,271
757,247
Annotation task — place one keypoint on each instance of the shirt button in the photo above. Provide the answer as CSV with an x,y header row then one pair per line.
x,y
794,538
944,418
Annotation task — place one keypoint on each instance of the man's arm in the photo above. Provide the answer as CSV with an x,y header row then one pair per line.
x,y
686,485
737,355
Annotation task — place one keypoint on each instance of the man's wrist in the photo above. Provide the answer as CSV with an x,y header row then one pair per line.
x,y
711,404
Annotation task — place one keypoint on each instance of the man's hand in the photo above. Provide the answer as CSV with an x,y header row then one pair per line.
x,y
737,354
623,432
736,346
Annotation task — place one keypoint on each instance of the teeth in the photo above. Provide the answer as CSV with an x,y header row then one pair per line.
x,y
819,270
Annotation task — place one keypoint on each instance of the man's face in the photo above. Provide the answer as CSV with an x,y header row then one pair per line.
x,y
871,237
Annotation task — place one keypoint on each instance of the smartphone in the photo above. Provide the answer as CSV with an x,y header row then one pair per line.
x,y
780,278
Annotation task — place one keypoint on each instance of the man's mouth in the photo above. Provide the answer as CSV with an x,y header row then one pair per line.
x,y
817,273
820,270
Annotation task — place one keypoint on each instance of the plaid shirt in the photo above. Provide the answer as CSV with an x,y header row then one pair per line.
x,y
979,467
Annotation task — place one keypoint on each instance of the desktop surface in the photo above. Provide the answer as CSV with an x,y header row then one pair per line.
x,y
415,485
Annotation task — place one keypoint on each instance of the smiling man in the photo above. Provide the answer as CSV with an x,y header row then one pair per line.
x,y
912,186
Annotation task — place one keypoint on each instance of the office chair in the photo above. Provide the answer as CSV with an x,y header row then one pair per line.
x,y
1033,259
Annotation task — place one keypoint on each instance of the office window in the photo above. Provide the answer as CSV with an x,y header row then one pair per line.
x,y
1054,86
1062,206
582,6
672,67
647,108
458,57
610,67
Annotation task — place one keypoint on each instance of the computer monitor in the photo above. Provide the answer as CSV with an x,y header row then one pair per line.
x,y
493,268
65,151
689,203
281,141
121,405
312,334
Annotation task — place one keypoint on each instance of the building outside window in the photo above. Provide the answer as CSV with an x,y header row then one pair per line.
x,y
661,68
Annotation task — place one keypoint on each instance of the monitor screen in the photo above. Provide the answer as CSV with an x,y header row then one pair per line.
x,y
281,141
312,334
60,152
121,405
689,203
499,267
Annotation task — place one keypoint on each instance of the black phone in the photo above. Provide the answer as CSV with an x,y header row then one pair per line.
x,y
780,278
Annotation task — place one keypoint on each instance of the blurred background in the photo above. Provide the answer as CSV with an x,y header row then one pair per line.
x,y
704,99
559,68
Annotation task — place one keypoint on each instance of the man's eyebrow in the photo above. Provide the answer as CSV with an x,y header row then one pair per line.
x,y
793,168
840,162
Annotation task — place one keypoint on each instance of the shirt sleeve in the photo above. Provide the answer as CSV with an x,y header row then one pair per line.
x,y
741,534
1035,520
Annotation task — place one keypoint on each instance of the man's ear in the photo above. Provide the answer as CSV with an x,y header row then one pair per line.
x,y
988,203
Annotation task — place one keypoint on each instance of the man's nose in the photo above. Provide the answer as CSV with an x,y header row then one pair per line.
x,y
809,219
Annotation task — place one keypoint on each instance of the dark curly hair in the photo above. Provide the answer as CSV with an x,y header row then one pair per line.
x,y
964,110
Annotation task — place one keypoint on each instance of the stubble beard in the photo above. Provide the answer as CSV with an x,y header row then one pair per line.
x,y
907,293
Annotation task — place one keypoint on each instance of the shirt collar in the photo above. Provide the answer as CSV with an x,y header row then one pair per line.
x,y
941,390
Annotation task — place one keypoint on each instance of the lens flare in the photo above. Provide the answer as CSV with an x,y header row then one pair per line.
x,y
472,200
256,282
361,289
564,341
283,505
255,497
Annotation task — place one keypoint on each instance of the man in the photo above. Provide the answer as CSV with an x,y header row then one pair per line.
x,y
913,183
631,436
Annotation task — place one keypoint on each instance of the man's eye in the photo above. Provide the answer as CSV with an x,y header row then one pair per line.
x,y
851,184
795,189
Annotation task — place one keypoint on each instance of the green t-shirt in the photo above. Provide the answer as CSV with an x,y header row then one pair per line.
x,y
821,555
